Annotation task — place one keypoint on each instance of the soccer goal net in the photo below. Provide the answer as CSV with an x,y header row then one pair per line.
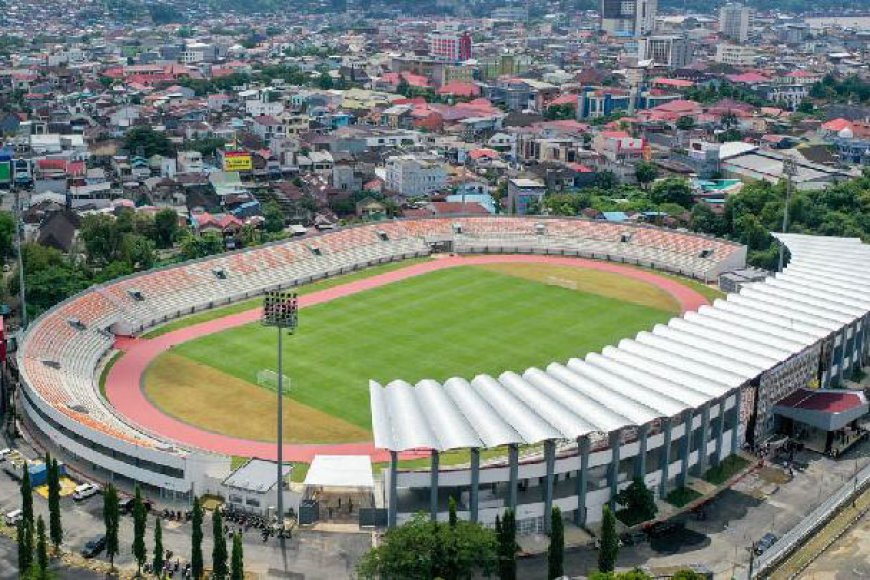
x,y
269,379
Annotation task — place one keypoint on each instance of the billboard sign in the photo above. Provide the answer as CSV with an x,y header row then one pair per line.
x,y
237,161
5,172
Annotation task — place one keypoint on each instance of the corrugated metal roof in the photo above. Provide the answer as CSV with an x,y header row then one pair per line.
x,y
693,360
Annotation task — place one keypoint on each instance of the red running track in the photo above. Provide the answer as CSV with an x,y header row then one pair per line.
x,y
124,382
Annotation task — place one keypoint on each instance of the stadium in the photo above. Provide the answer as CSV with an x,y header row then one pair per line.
x,y
682,394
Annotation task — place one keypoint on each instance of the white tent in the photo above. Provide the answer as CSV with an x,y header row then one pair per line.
x,y
349,471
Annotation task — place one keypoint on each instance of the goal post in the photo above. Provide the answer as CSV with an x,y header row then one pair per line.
x,y
269,379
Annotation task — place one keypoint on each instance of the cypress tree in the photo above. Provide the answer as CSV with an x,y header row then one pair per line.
x,y
41,548
507,547
556,551
238,561
111,517
196,563
219,551
609,541
451,507
139,522
24,537
158,548
55,527
26,497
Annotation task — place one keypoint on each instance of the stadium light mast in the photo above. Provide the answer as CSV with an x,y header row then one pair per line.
x,y
16,215
789,169
280,309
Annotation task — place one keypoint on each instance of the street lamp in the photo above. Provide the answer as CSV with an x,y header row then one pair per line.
x,y
280,309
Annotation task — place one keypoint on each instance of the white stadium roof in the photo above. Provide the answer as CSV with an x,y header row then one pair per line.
x,y
693,360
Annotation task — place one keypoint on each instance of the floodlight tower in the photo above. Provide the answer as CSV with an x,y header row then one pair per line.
x,y
789,170
280,309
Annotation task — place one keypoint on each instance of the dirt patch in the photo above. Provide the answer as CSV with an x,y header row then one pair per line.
x,y
217,402
606,284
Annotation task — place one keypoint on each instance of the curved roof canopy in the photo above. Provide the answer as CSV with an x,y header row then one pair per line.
x,y
694,360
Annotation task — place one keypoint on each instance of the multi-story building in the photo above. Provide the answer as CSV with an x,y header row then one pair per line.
x,y
667,50
633,16
415,175
450,45
523,194
601,102
734,21
735,54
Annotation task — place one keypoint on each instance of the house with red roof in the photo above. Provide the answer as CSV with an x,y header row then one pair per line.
x,y
461,89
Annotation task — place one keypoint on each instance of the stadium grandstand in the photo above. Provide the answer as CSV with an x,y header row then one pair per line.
x,y
746,352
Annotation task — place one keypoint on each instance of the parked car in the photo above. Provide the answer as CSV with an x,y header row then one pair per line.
x,y
632,538
93,548
660,529
13,517
4,453
765,543
84,491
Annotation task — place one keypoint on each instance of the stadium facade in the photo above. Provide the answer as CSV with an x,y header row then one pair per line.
x,y
714,375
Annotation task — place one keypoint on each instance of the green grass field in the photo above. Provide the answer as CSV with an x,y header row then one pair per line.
x,y
455,322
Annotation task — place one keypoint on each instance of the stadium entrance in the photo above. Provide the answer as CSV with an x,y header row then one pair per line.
x,y
341,487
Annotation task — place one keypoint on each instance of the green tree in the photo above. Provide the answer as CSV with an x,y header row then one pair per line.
x,y
609,547
707,221
139,521
196,560
403,87
274,218
24,538
166,228
556,549
422,548
606,180
26,496
7,234
687,574
507,547
111,519
41,548
672,190
101,237
324,81
645,173
685,123
138,251
55,527
638,503
451,512
219,550
145,141
238,560
157,561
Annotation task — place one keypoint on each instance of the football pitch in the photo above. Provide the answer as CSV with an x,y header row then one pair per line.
x,y
459,321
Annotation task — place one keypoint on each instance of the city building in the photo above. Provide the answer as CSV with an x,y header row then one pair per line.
x,y
524,193
735,54
734,21
450,45
415,175
666,50
636,17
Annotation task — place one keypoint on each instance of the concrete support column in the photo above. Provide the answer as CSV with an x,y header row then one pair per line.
x,y
720,431
550,460
686,449
513,471
475,482
859,347
842,360
393,506
433,486
640,460
665,457
735,433
703,457
582,481
613,476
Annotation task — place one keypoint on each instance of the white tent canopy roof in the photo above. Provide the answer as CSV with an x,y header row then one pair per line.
x,y
694,360
351,471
